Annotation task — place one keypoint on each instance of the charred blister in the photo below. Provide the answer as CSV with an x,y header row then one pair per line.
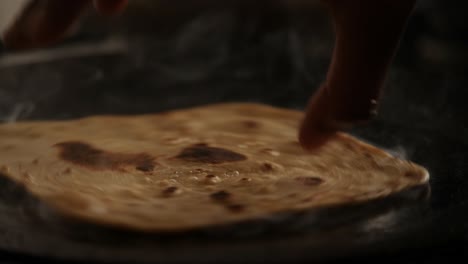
x,y
251,124
145,167
205,154
266,166
224,198
309,180
235,208
85,155
220,196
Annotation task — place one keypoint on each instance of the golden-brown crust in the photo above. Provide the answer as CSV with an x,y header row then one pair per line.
x,y
210,165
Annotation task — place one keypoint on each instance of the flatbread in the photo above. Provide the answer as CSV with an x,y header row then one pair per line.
x,y
193,168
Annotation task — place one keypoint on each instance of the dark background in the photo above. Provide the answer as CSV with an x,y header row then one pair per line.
x,y
162,55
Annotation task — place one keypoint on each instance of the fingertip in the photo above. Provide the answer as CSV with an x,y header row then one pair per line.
x,y
110,7
313,134
316,128
312,141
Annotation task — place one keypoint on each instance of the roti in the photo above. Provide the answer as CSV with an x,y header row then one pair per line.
x,y
193,168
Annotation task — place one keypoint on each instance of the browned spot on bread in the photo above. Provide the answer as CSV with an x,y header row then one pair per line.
x,y
251,124
220,196
223,197
267,166
309,181
205,154
349,146
85,155
235,208
145,167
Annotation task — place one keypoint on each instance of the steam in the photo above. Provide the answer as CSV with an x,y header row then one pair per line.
x,y
18,110
106,47
396,149
400,152
189,59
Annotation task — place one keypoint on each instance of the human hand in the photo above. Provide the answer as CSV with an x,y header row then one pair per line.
x,y
367,35
45,22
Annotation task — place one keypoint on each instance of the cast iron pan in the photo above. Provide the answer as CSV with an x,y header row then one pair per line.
x,y
123,72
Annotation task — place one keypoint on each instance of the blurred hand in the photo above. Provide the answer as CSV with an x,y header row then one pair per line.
x,y
44,22
367,36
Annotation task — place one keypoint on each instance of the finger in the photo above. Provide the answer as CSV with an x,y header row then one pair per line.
x,y
367,35
43,22
110,7
317,128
